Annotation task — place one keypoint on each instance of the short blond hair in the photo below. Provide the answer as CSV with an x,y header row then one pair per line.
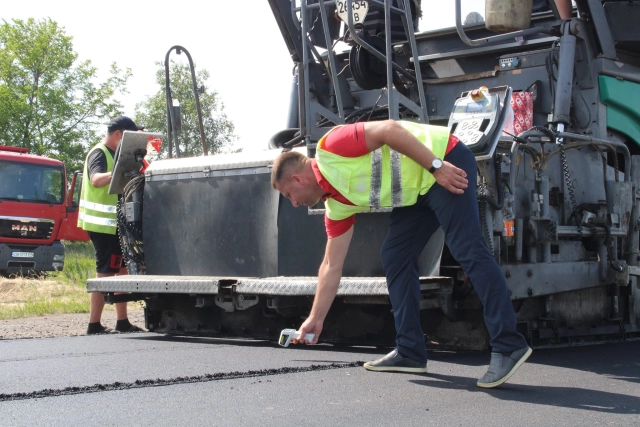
x,y
286,162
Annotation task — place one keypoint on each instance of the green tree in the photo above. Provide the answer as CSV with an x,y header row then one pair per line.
x,y
49,101
218,129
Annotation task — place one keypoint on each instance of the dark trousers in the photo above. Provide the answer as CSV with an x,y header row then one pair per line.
x,y
409,231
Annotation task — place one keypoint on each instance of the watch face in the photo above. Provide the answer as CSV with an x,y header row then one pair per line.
x,y
437,163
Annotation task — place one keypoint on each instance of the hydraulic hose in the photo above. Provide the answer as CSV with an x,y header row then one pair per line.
x,y
496,205
488,198
486,229
130,232
579,144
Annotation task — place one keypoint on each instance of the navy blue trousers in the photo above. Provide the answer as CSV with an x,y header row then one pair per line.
x,y
409,231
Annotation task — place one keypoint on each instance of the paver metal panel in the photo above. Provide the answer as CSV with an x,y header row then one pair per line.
x,y
349,286
156,284
253,159
307,286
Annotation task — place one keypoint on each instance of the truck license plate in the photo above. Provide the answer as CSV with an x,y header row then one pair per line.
x,y
22,254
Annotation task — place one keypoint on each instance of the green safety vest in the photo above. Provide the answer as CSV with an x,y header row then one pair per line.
x,y
97,207
383,178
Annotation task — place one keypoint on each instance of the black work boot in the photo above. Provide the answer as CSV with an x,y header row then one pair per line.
x,y
96,328
126,326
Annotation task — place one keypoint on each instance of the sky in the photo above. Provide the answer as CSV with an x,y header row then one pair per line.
x,y
237,41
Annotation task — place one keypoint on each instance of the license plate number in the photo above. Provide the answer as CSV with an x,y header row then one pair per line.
x,y
359,10
22,254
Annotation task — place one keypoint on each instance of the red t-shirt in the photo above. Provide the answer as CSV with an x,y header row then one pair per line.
x,y
347,141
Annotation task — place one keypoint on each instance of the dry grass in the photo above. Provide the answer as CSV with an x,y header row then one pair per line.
x,y
61,292
22,297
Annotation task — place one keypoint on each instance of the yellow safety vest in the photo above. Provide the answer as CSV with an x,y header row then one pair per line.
x,y
382,178
97,207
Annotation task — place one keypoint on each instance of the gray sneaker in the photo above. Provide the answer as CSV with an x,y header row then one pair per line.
x,y
394,362
502,367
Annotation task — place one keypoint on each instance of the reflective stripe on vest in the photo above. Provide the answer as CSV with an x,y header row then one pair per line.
x,y
376,178
108,222
382,178
97,207
396,179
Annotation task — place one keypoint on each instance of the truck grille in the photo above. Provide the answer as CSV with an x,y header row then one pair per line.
x,y
21,247
26,228
25,265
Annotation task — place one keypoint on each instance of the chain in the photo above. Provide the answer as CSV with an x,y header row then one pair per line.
x,y
485,227
575,211
313,25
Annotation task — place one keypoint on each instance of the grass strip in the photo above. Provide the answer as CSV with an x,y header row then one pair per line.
x,y
57,292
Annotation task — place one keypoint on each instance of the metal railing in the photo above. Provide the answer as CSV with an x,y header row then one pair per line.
x,y
171,114
309,107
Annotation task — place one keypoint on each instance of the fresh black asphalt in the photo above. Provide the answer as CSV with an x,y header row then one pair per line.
x,y
147,379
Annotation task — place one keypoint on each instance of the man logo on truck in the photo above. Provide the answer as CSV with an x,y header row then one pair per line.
x,y
24,229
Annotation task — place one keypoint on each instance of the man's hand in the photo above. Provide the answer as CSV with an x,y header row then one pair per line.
x,y
328,282
452,178
310,326
391,133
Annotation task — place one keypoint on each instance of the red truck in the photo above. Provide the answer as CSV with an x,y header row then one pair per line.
x,y
36,213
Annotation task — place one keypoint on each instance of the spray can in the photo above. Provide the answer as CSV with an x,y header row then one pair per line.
x,y
508,219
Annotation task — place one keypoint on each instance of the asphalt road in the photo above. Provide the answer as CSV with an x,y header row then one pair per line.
x,y
147,379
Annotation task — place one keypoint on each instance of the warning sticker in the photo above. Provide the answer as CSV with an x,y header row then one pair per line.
x,y
508,229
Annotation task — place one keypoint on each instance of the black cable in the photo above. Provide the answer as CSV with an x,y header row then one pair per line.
x,y
604,166
575,116
376,104
292,143
357,113
484,197
130,232
578,144
551,61
488,235
487,197
552,136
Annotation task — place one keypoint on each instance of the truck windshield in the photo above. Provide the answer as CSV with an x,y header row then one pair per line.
x,y
29,182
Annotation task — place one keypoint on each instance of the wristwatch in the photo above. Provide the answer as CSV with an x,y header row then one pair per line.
x,y
435,165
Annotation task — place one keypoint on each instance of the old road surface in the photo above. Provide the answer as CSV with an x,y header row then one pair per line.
x,y
148,379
